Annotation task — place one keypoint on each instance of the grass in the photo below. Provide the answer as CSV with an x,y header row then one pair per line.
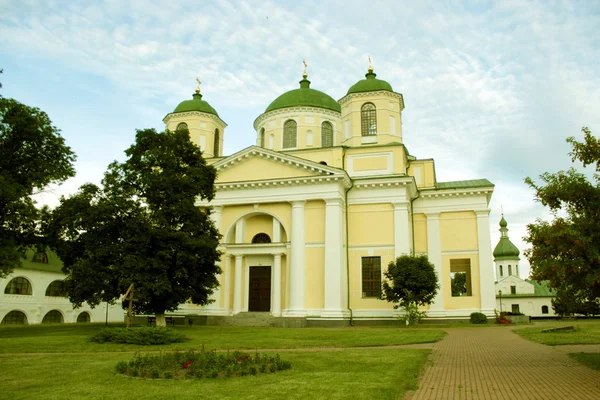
x,y
57,362
591,360
75,338
586,332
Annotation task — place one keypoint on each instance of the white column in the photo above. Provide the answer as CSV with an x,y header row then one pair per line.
x,y
297,262
276,293
237,285
401,230
215,216
240,226
333,306
434,251
486,265
276,230
227,284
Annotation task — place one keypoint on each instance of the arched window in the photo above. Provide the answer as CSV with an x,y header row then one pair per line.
x,y
182,126
53,317
290,129
18,286
544,309
83,317
40,257
326,134
262,138
509,270
501,271
261,238
56,289
217,143
15,318
368,119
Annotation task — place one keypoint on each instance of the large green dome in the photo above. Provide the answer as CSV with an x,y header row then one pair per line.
x,y
505,249
305,96
370,84
196,104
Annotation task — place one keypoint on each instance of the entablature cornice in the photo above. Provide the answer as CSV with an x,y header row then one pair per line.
x,y
288,110
386,93
185,114
272,183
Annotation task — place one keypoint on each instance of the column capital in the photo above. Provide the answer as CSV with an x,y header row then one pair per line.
x,y
482,213
298,203
432,215
400,205
217,209
334,201
239,257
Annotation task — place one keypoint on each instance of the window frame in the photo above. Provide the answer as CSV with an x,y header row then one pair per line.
x,y
260,238
368,119
19,280
371,277
181,126
216,143
290,131
326,136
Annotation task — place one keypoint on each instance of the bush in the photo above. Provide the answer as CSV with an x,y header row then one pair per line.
x,y
142,336
478,318
201,364
501,318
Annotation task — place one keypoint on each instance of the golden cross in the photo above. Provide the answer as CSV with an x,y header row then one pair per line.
x,y
198,87
305,65
370,64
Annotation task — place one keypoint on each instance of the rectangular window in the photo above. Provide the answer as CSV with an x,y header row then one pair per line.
x,y
371,277
513,290
515,309
460,277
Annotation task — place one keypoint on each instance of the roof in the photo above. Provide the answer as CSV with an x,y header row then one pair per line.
x,y
505,249
540,289
370,84
473,183
196,104
305,96
54,263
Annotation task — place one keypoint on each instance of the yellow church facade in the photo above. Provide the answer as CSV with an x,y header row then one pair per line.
x,y
313,213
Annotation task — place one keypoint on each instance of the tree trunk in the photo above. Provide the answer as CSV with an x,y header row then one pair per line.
x,y
160,320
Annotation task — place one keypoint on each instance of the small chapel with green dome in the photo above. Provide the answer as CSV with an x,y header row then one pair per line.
x,y
329,195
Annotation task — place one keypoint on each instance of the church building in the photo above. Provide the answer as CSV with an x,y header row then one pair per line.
x,y
329,195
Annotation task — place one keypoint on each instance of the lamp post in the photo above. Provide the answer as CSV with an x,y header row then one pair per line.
x,y
500,293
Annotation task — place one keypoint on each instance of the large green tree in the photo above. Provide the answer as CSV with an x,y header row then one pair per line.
x,y
566,250
411,282
142,227
33,155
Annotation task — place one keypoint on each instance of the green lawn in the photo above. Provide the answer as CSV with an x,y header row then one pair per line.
x,y
586,332
75,338
58,362
591,360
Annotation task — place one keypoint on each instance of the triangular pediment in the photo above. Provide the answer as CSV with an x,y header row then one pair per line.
x,y
258,164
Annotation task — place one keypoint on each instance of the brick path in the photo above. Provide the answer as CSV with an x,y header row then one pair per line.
x,y
495,363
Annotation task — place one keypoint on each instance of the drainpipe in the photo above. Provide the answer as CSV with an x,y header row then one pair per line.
x,y
412,214
347,235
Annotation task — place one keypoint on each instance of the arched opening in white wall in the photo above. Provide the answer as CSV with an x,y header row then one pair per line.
x,y
544,309
261,238
83,317
19,285
56,289
15,317
53,317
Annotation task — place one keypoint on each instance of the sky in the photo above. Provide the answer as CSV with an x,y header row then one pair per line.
x,y
492,89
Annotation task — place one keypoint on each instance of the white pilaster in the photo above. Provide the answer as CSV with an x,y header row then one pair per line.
x,y
237,285
333,296
227,285
297,262
240,226
434,252
401,230
276,293
215,216
486,265
276,230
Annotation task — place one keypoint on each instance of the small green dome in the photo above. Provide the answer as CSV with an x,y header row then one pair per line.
x,y
305,96
505,249
371,84
503,223
196,104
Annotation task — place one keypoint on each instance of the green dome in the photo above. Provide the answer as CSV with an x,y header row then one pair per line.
x,y
305,96
503,223
196,104
371,84
505,249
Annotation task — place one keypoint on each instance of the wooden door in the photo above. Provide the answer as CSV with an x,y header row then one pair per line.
x,y
259,297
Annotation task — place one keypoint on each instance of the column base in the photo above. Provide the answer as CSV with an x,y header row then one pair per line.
x,y
335,314
294,313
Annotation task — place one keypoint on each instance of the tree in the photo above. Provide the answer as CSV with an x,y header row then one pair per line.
x,y
142,227
33,155
459,284
566,251
413,284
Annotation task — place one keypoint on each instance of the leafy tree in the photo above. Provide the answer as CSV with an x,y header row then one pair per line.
x,y
459,284
566,251
33,155
142,227
411,282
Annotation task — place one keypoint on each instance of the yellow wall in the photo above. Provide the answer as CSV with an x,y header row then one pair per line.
x,y
257,224
356,299
200,126
427,175
331,155
458,231
256,168
420,233
314,214
371,224
315,257
453,303
378,161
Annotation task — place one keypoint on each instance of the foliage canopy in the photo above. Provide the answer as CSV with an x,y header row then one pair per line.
x,y
566,251
142,227
33,155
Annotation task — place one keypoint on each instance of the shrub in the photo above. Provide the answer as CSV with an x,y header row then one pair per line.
x,y
501,318
478,318
142,336
201,364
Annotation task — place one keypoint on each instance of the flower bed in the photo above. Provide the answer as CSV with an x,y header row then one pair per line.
x,y
201,364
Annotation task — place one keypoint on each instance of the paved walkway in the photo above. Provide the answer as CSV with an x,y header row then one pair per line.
x,y
495,363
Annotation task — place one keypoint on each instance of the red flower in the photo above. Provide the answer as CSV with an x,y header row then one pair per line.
x,y
246,356
187,364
